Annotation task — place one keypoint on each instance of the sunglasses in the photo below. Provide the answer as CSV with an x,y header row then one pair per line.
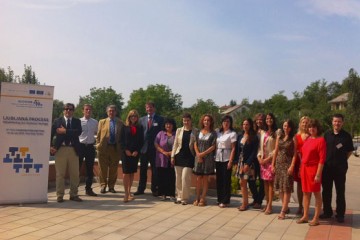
x,y
68,109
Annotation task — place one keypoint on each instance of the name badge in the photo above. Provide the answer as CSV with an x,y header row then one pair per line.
x,y
338,146
155,124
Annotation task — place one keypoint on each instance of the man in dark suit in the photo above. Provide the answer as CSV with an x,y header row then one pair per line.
x,y
152,124
66,149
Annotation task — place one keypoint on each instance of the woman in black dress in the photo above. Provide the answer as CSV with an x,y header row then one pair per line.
x,y
132,138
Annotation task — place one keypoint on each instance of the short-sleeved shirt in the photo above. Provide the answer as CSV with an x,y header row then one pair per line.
x,y
337,148
223,145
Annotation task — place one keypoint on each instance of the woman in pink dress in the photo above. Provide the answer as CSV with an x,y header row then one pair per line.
x,y
300,137
313,158
265,154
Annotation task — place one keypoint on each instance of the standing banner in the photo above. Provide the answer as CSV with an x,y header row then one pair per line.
x,y
25,130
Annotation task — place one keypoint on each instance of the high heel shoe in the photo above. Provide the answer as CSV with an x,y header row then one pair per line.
x,y
202,203
282,215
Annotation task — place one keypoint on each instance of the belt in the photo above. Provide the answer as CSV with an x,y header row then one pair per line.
x,y
88,144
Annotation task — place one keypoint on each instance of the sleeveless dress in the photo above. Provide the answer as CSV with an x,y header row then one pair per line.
x,y
283,181
205,141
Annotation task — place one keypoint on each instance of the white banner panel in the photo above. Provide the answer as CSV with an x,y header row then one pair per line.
x,y
25,130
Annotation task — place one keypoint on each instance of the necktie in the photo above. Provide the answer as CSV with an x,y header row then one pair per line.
x,y
149,121
112,131
68,126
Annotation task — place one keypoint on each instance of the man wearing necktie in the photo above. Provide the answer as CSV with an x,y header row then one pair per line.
x,y
152,124
109,149
66,149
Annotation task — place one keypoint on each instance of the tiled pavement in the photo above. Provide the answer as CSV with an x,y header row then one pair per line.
x,y
107,217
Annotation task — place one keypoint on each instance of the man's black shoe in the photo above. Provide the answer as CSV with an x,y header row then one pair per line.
x,y
138,193
91,193
60,199
112,190
340,219
325,216
76,199
103,190
155,194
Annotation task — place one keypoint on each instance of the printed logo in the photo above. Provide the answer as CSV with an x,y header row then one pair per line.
x,y
21,160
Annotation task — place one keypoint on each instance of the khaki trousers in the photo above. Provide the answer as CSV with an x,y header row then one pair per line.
x,y
66,158
108,165
183,183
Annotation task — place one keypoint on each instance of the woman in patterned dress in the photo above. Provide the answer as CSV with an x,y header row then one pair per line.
x,y
283,164
204,160
265,153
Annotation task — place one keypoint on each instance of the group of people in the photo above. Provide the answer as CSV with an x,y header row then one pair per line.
x,y
264,158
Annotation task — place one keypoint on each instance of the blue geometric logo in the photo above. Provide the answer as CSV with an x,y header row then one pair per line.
x,y
21,160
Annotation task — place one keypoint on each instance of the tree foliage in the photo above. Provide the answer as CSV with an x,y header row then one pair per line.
x,y
58,107
29,76
167,103
100,98
352,86
202,107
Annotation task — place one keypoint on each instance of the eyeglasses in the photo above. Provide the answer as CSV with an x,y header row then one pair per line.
x,y
68,109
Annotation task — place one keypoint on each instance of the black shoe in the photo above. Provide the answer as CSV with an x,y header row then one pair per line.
x,y
60,199
90,192
177,202
325,216
155,194
76,199
112,190
340,219
138,193
252,204
103,190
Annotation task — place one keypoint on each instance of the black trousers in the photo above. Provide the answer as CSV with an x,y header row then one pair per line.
x,y
257,193
87,151
145,159
223,182
335,175
166,178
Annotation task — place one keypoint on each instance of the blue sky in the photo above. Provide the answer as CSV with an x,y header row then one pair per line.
x,y
220,50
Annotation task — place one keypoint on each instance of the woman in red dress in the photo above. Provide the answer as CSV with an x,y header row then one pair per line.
x,y
300,137
313,158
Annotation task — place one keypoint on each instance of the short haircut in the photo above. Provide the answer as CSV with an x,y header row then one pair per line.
x,y
316,124
67,105
186,115
111,106
151,103
170,121
338,115
87,105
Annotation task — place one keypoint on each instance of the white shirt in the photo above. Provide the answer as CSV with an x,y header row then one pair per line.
x,y
223,145
89,129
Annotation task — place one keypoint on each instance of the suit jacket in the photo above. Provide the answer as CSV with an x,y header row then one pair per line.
x,y
178,141
132,142
103,134
150,133
71,134
269,148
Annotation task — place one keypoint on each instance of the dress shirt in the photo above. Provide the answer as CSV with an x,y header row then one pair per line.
x,y
89,130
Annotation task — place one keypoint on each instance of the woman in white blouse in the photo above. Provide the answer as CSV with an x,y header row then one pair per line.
x,y
225,153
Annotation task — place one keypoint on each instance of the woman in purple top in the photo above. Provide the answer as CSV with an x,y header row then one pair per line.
x,y
164,142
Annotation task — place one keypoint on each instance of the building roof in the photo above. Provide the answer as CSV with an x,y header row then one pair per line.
x,y
232,109
342,98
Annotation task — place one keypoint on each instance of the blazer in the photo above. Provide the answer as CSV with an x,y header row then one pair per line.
x,y
178,141
248,150
71,134
132,142
269,148
150,133
103,134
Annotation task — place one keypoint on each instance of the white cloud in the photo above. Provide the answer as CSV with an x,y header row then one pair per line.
x,y
344,8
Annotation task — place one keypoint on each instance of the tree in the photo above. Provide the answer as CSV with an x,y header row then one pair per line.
x,y
29,76
100,98
202,107
58,108
352,86
232,103
167,103
7,76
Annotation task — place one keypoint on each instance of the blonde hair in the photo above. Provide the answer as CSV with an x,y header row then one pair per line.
x,y
306,128
131,113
